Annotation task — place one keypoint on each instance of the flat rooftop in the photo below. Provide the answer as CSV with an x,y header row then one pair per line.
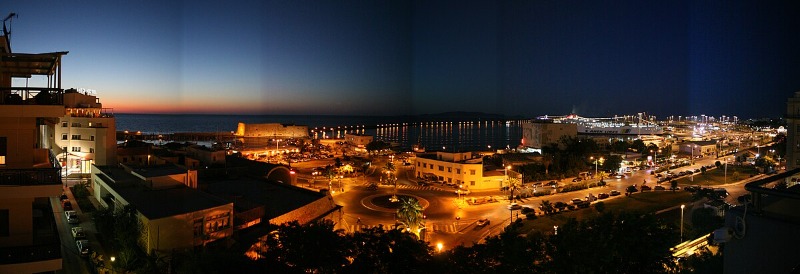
x,y
160,203
277,198
158,170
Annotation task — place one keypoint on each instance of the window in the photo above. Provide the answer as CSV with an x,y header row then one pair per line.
x,y
76,124
63,136
441,168
198,228
458,171
63,124
449,169
418,164
91,138
91,150
3,152
472,183
76,137
76,149
471,172
4,223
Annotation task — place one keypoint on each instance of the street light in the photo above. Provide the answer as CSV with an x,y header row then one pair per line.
x,y
439,247
595,164
682,207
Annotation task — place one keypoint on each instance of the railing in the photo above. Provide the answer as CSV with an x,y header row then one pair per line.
x,y
35,253
30,176
31,96
54,161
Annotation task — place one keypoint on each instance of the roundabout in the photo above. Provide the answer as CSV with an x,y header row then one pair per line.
x,y
384,203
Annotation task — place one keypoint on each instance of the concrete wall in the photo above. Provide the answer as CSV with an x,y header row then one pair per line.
x,y
309,212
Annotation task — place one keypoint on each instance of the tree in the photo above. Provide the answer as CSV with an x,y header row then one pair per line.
x,y
639,146
514,183
330,173
410,214
377,251
312,248
673,185
631,242
612,162
505,253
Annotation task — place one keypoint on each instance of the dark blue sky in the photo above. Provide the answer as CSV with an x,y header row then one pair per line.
x,y
594,58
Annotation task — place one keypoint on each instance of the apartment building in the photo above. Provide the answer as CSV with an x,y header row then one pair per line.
x,y
85,133
29,173
459,168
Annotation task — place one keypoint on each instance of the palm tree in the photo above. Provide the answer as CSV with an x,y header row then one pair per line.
x,y
410,214
514,183
390,178
330,173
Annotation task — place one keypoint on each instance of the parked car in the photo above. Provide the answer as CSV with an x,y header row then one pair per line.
x,y
721,193
603,195
646,188
72,217
613,193
66,205
83,247
372,186
514,206
422,183
63,197
560,205
577,201
462,191
482,222
77,233
691,188
553,184
577,179
583,204
744,198
659,188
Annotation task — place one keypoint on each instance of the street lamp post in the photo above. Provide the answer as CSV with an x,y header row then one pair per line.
x,y
682,207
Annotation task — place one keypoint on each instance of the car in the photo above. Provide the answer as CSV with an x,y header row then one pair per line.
x,y
646,188
602,196
553,184
461,191
613,193
744,198
583,204
83,247
659,188
372,186
72,217
514,206
721,193
560,205
67,205
691,188
77,233
577,201
482,222
577,179
63,197
659,175
619,176
423,183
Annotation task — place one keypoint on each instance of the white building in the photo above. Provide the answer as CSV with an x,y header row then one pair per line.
x,y
462,169
86,134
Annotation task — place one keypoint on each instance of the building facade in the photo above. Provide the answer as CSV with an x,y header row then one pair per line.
x,y
174,215
463,169
85,134
30,175
538,135
792,132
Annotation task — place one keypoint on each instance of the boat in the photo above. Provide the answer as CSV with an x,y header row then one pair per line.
x,y
608,126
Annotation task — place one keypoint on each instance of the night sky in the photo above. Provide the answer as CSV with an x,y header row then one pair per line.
x,y
594,58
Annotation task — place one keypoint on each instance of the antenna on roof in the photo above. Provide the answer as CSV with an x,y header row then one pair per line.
x,y
8,18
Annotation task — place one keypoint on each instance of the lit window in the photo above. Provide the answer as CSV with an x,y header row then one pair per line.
x,y
3,146
76,149
63,124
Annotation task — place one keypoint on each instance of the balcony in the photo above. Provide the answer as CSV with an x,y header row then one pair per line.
x,y
30,177
43,253
31,96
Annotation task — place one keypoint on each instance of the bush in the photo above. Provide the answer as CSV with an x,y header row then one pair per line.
x,y
530,216
577,187
528,210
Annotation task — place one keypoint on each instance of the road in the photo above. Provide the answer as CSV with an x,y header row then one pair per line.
x,y
450,220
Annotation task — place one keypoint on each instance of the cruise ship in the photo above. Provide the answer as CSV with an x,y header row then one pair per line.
x,y
620,125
